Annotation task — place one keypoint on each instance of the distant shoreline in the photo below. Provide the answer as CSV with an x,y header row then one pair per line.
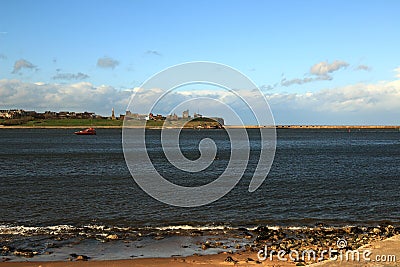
x,y
226,126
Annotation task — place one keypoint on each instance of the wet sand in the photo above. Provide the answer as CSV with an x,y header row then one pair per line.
x,y
223,259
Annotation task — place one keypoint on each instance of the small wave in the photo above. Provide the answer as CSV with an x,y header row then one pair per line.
x,y
29,230
190,227
103,230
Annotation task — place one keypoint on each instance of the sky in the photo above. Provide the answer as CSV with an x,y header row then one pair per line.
x,y
316,62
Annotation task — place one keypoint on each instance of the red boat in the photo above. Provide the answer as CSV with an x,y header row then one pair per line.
x,y
88,131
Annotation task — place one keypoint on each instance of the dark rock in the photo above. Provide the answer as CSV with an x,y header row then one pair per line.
x,y
248,235
79,257
230,259
6,248
375,231
263,233
82,258
196,233
384,224
204,246
353,230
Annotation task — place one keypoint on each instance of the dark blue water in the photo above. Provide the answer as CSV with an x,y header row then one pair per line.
x,y
53,177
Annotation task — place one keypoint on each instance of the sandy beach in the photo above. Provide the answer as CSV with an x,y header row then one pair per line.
x,y
319,246
388,249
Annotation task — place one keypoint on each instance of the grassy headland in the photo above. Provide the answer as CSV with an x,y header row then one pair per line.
x,y
62,122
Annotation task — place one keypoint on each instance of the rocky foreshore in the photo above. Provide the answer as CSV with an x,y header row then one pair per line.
x,y
216,240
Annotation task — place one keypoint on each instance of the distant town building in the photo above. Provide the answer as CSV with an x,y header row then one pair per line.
x,y
157,117
172,117
112,114
20,113
185,114
197,115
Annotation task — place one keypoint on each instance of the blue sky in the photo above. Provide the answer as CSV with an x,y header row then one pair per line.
x,y
316,61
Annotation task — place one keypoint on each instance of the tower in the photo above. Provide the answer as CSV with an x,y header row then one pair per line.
x,y
112,114
185,114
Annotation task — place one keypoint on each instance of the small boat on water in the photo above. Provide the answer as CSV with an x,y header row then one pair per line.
x,y
88,131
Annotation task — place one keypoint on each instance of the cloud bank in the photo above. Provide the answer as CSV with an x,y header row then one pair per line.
x,y
374,104
81,96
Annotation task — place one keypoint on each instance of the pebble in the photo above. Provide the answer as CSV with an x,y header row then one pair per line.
x,y
112,237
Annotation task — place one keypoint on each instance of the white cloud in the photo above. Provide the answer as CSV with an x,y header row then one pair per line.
x,y
285,82
23,64
153,52
107,62
363,67
319,72
397,70
324,68
70,76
